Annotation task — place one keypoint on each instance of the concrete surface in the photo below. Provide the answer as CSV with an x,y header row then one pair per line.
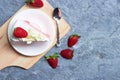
x,y
97,55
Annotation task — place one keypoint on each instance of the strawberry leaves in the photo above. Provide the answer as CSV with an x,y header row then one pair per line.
x,y
55,55
32,1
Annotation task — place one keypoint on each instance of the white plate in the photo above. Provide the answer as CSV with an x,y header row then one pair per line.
x,y
35,48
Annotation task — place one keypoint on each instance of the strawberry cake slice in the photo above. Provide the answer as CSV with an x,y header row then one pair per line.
x,y
28,32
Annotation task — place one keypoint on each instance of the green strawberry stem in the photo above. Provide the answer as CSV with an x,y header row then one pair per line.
x,y
33,1
54,56
28,1
75,35
47,57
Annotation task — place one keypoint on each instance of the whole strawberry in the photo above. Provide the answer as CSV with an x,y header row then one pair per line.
x,y
72,40
67,53
20,33
35,3
52,60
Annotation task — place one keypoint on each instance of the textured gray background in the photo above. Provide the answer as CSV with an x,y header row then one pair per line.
x,y
97,55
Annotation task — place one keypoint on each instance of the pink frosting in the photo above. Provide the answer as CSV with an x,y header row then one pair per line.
x,y
37,28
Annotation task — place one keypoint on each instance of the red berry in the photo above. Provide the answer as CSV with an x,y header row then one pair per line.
x,y
35,3
52,60
20,33
72,40
67,53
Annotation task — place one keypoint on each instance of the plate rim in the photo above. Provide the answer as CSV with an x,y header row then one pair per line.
x,y
16,15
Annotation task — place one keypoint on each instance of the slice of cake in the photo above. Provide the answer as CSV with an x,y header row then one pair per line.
x,y
28,32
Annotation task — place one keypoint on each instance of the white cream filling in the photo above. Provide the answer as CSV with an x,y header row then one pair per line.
x,y
33,34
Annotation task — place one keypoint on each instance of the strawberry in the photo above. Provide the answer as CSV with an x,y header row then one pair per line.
x,y
67,53
72,40
35,3
52,60
20,32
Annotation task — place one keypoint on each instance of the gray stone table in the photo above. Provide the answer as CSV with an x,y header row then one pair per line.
x,y
97,54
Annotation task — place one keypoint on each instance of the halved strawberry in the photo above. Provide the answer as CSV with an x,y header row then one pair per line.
x,y
35,3
20,32
52,60
72,40
67,53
